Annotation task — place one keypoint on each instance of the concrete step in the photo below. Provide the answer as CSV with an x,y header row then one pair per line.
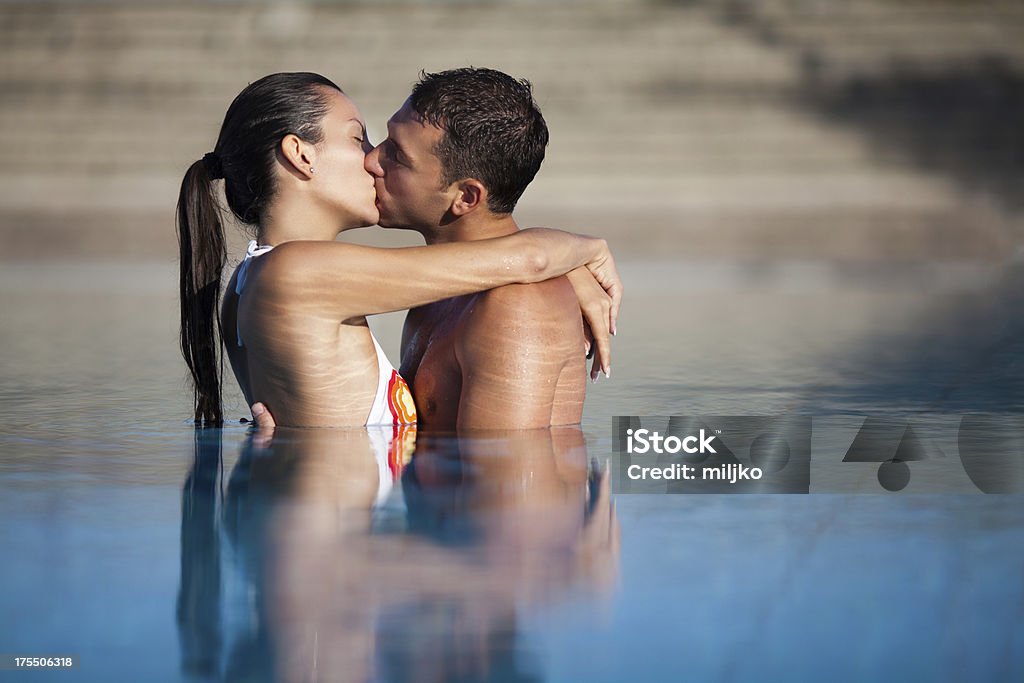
x,y
764,235
647,149
869,36
601,188
357,63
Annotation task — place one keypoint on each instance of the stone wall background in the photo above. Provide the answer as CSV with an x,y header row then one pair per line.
x,y
782,129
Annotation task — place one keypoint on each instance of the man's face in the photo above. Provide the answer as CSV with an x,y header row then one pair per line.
x,y
408,174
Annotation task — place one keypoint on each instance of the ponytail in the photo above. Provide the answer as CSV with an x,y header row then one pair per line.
x,y
203,254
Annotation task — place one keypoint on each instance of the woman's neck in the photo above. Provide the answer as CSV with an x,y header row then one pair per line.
x,y
296,218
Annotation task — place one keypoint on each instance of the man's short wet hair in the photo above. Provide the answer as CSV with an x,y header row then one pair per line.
x,y
493,129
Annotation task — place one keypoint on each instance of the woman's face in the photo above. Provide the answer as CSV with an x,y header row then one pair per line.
x,y
339,174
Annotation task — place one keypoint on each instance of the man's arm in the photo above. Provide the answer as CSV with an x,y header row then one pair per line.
x,y
513,348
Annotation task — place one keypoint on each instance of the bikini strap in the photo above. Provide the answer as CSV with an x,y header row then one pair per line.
x,y
243,268
253,251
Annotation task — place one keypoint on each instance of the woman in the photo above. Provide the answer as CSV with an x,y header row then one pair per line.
x,y
291,153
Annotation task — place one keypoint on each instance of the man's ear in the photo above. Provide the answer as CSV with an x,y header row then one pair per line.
x,y
470,193
299,157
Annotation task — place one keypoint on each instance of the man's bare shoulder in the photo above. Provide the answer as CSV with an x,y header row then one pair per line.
x,y
513,346
542,318
551,300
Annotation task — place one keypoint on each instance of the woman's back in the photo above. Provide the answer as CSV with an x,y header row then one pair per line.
x,y
308,368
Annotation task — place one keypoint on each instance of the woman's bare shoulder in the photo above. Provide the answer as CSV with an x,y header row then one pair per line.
x,y
298,261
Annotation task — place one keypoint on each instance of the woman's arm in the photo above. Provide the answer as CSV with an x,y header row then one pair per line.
x,y
595,305
350,280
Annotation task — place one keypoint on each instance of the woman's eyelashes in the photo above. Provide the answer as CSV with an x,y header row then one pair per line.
x,y
360,136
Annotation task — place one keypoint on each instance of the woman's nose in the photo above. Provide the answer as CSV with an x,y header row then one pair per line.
x,y
372,162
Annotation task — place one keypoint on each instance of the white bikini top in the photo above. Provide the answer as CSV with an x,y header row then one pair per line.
x,y
253,251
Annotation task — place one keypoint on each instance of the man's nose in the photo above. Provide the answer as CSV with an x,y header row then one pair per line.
x,y
372,162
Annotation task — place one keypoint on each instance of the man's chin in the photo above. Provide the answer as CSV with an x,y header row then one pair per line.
x,y
386,220
391,224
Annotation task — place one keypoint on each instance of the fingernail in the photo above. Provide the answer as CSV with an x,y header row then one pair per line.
x,y
608,372
258,410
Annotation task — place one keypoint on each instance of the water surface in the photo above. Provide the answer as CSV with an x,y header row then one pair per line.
x,y
156,554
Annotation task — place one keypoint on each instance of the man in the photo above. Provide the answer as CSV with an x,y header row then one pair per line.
x,y
459,154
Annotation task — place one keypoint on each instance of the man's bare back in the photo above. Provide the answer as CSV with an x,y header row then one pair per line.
x,y
509,358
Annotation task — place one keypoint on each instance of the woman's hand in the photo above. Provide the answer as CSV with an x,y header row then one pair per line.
x,y
597,284
265,425
553,249
596,305
602,267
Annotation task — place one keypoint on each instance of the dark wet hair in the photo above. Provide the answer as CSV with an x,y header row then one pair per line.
x,y
493,129
244,156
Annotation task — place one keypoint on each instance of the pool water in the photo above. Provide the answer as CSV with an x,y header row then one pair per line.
x,y
154,552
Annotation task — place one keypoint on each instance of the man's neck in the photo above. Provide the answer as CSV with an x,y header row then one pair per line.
x,y
471,228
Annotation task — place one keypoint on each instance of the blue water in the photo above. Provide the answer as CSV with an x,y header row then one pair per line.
x,y
151,555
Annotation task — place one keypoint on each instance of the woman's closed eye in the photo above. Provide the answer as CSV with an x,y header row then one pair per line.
x,y
359,133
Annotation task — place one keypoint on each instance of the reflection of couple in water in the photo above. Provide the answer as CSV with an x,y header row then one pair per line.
x,y
340,584
495,340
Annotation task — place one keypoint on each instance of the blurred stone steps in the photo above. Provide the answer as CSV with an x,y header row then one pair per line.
x,y
895,12
701,232
864,36
668,119
599,190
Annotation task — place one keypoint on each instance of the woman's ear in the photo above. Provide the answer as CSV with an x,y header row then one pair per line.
x,y
299,156
470,194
